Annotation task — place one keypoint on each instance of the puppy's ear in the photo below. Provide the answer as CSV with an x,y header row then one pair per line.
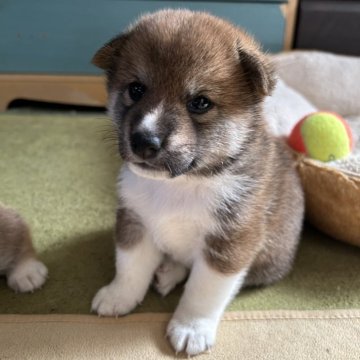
x,y
104,57
256,66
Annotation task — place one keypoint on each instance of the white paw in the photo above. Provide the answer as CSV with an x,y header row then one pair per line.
x,y
168,275
27,276
193,337
113,300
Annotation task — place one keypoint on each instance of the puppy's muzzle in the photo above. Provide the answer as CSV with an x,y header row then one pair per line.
x,y
146,145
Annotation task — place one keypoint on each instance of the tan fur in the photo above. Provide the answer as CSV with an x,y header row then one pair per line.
x,y
129,229
15,239
17,255
264,240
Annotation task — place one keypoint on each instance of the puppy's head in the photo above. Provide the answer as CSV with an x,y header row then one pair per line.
x,y
184,92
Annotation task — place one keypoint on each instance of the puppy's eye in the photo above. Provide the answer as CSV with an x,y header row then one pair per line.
x,y
136,91
199,105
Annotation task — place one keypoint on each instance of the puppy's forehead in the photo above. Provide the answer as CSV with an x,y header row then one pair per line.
x,y
187,48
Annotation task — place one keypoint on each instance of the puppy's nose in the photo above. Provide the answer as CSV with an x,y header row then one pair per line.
x,y
145,145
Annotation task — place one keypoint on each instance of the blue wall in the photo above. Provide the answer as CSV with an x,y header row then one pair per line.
x,y
60,36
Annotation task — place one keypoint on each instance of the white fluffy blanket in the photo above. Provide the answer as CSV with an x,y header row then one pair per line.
x,y
311,81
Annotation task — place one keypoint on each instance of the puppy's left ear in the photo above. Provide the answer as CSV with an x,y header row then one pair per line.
x,y
257,67
105,56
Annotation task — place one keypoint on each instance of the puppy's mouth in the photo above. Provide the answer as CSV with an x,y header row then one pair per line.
x,y
149,167
145,170
160,172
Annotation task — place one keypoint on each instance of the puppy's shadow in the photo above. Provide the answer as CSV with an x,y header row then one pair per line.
x,y
77,268
325,271
324,275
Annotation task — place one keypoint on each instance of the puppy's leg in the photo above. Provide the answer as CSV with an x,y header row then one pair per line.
x,y
136,261
17,256
207,292
168,275
216,276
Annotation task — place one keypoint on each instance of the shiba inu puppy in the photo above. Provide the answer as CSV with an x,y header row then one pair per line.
x,y
17,256
205,190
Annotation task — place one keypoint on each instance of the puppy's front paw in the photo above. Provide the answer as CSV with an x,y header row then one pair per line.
x,y
167,276
113,300
193,336
27,276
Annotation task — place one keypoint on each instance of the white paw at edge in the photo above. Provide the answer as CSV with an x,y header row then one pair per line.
x,y
113,300
193,337
27,276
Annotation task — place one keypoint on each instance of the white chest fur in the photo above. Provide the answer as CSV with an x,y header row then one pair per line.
x,y
177,213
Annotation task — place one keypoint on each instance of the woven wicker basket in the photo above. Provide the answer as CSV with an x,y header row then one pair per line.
x,y
332,200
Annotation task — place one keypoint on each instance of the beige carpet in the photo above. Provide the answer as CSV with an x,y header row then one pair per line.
x,y
248,335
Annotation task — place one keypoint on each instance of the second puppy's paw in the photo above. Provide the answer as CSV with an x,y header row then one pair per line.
x,y
27,276
113,300
193,336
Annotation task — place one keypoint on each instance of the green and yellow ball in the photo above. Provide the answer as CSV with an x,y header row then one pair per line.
x,y
323,136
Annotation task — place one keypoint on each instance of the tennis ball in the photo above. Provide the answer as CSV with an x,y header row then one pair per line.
x,y
323,136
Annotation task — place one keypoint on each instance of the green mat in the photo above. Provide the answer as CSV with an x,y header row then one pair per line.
x,y
59,171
